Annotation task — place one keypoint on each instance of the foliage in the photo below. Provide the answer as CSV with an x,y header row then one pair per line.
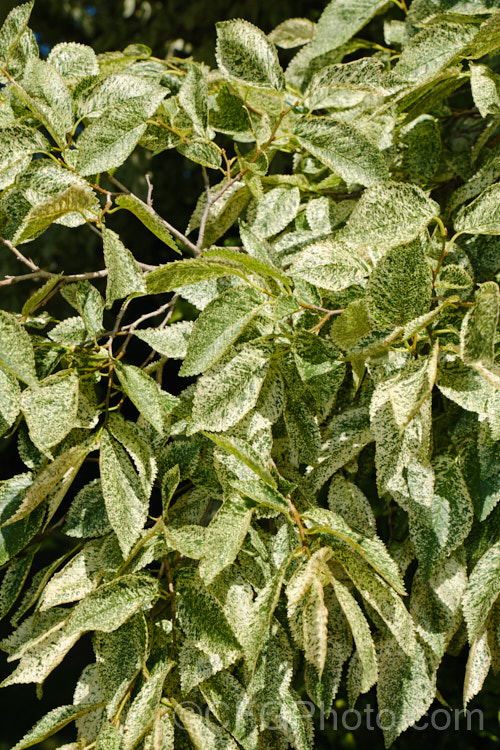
x,y
324,491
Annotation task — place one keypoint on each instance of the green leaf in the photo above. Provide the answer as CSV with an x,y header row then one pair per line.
x,y
85,298
148,216
262,615
229,390
217,328
137,445
296,721
242,262
19,143
40,294
50,408
274,211
464,386
45,643
328,264
262,494
433,49
142,710
360,629
124,496
143,391
109,738
344,149
113,603
10,400
222,213
485,85
204,734
383,599
173,275
232,707
13,582
193,98
74,61
406,687
46,94
189,540
371,549
341,20
118,87
75,580
436,603
388,215
347,434
478,334
423,140
16,351
170,341
487,39
245,453
169,484
202,618
319,366
51,723
347,500
87,516
17,535
120,655
245,53
478,666
124,275
225,535
292,33
76,199
53,482
482,216
322,690
302,427
315,618
347,329
109,140
400,286
482,591
441,528
12,30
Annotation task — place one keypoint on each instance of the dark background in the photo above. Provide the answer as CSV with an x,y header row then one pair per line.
x,y
183,28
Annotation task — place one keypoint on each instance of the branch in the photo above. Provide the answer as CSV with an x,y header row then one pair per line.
x,y
116,327
19,255
132,326
40,273
298,521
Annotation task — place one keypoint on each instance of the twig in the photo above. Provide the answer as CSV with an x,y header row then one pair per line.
x,y
172,592
167,224
298,522
444,251
324,319
116,327
149,199
41,274
316,308
159,372
132,326
19,255
237,177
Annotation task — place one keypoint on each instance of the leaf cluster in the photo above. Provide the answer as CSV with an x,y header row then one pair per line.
x,y
323,494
